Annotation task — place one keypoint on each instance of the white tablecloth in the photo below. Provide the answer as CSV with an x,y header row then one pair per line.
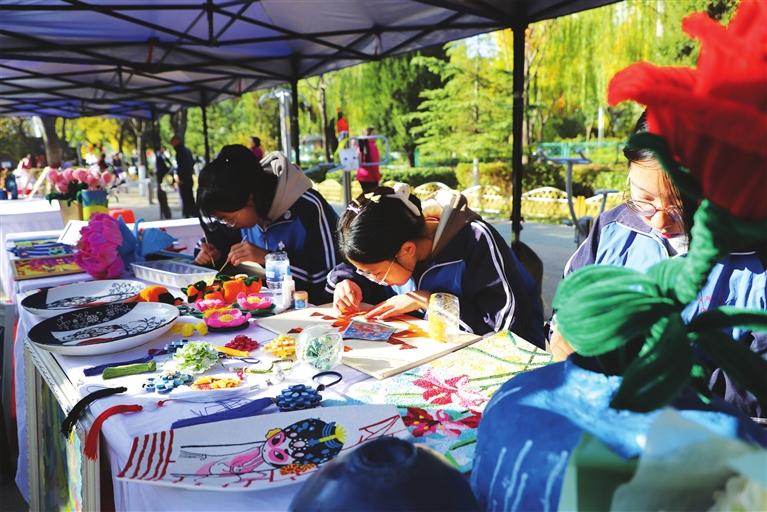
x,y
119,431
22,216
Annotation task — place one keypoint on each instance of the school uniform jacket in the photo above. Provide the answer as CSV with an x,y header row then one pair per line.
x,y
620,238
472,261
304,222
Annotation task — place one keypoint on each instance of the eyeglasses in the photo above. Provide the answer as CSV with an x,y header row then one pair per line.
x,y
374,278
648,210
230,223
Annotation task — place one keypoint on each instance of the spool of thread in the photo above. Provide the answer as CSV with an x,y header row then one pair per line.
x,y
129,369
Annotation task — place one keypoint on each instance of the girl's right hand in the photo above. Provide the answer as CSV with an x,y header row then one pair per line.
x,y
208,255
347,296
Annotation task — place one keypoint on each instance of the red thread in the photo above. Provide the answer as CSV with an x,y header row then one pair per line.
x,y
92,439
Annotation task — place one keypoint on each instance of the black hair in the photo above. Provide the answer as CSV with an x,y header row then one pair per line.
x,y
226,184
375,225
687,205
639,155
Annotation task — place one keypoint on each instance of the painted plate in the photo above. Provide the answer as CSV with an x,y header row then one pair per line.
x,y
103,329
70,297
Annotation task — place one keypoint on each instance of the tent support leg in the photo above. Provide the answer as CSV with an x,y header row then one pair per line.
x,y
517,120
294,120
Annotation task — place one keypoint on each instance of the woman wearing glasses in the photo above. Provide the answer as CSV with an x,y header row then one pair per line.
x,y
270,202
398,255
653,225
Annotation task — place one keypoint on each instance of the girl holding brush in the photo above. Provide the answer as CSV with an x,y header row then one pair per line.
x,y
270,202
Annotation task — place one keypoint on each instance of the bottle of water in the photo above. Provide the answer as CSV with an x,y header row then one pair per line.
x,y
277,267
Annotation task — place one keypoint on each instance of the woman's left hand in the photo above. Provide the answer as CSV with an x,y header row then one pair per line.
x,y
399,305
245,251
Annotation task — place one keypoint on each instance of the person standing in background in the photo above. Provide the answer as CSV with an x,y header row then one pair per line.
x,y
368,173
162,168
185,177
256,148
342,126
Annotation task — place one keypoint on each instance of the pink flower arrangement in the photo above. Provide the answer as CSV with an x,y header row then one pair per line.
x,y
224,318
253,301
83,178
208,304
97,250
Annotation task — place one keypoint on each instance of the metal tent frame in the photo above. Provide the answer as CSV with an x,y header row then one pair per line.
x,y
140,58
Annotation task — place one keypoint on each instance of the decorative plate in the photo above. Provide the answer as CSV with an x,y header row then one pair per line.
x,y
70,297
103,329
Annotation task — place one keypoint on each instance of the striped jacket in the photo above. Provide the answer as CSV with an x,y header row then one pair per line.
x,y
477,265
308,231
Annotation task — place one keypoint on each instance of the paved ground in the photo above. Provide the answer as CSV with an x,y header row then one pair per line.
x,y
553,243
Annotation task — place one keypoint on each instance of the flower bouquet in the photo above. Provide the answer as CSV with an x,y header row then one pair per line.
x,y
81,192
107,247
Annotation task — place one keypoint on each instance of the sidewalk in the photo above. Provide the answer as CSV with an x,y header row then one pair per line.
x,y
552,242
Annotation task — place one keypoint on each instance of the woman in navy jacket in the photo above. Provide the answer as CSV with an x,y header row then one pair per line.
x,y
272,203
398,255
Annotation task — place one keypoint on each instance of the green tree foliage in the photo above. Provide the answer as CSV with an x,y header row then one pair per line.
x,y
468,117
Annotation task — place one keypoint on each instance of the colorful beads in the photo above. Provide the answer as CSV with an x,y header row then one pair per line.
x,y
282,346
243,343
196,357
167,382
207,383
298,397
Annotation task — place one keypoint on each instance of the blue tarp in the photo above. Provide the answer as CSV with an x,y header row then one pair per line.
x,y
73,58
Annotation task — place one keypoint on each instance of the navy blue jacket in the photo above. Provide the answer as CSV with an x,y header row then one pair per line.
x,y
620,238
308,231
477,265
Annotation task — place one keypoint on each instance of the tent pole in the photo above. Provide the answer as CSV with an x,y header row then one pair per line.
x,y
294,120
204,109
517,120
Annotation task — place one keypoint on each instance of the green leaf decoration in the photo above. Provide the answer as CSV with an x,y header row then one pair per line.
x,y
728,317
600,307
658,375
746,368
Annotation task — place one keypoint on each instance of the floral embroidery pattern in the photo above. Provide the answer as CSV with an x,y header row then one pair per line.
x,y
455,390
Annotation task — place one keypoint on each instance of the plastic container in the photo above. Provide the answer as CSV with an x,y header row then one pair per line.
x,y
288,288
277,266
300,299
321,346
444,316
176,274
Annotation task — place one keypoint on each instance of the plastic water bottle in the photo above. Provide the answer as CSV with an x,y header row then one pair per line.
x,y
288,287
277,267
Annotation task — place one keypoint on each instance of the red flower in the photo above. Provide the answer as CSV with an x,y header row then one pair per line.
x,y
455,390
714,117
423,422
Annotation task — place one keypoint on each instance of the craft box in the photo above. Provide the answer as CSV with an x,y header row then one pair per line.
x,y
44,257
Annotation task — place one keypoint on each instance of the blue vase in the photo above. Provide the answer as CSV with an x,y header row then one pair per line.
x,y
386,474
535,421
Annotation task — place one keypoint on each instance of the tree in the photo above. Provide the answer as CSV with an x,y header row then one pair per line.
x,y
470,114
53,147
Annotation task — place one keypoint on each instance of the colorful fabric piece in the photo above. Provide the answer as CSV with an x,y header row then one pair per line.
x,y
441,402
